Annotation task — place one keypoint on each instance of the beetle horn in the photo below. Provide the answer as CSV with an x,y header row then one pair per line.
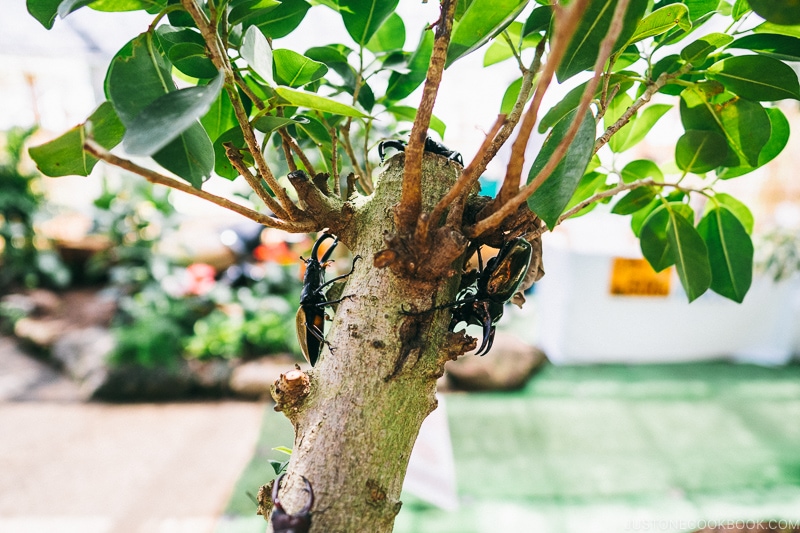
x,y
310,491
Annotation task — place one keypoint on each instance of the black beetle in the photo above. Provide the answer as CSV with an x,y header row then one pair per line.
x,y
283,522
310,319
431,146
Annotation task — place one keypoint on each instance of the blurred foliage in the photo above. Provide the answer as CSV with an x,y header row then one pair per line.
x,y
25,260
778,253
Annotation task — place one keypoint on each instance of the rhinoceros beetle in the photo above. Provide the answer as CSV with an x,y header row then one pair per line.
x,y
283,522
310,319
431,146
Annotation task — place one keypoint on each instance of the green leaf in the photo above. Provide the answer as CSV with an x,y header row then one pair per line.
x,y
661,21
778,139
741,211
740,9
538,20
320,103
783,47
641,169
64,156
653,238
151,6
222,165
697,52
137,77
362,18
402,85
390,36
633,201
640,217
270,123
700,151
589,184
283,449
641,125
482,20
282,20
510,96
690,254
550,199
616,108
769,27
408,114
784,13
68,6
500,50
45,11
582,50
730,251
191,59
247,9
571,100
744,124
256,51
220,117
758,78
296,70
169,116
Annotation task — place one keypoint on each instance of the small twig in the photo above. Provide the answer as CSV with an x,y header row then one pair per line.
x,y
154,177
288,140
411,194
362,178
221,61
652,89
510,206
235,157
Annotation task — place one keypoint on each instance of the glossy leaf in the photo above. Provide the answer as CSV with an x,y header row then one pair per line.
x,y
389,37
296,70
247,9
758,78
784,13
740,9
740,211
641,169
220,116
222,165
641,125
538,20
582,50
780,29
402,85
616,108
258,54
407,114
551,198
191,59
697,52
653,238
690,254
661,21
137,77
778,139
64,156
783,47
169,116
510,96
730,251
482,20
500,50
634,200
590,183
700,151
151,6
45,11
282,20
362,18
270,123
320,103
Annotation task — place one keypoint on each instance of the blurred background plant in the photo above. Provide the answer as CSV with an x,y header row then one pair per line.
x,y
26,261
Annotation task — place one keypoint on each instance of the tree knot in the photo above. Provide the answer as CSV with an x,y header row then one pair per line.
x,y
290,390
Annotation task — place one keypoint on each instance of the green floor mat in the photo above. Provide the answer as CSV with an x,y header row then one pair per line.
x,y
659,447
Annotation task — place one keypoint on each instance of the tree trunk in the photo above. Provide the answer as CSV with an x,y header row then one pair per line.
x,y
375,381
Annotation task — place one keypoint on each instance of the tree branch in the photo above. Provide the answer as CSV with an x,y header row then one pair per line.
x,y
410,205
235,157
510,206
221,61
101,153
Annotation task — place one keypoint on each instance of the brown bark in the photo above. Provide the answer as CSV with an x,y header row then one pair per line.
x,y
375,381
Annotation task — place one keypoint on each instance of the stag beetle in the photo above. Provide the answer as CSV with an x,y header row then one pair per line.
x,y
431,146
481,302
283,522
310,319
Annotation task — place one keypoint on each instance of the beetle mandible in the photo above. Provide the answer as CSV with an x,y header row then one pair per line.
x,y
431,146
283,522
310,319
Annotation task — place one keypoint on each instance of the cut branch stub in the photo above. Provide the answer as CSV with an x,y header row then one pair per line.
x,y
326,211
290,391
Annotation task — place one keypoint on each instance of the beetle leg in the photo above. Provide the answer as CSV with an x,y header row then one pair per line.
x,y
397,145
275,489
307,507
337,278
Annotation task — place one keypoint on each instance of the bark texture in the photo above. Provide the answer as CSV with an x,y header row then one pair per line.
x,y
375,381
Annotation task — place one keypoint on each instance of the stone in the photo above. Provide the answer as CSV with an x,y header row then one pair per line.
x,y
41,332
507,366
254,379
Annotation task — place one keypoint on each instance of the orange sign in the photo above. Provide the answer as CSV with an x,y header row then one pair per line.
x,y
635,277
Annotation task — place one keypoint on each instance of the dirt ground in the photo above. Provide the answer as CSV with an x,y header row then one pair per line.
x,y
79,467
